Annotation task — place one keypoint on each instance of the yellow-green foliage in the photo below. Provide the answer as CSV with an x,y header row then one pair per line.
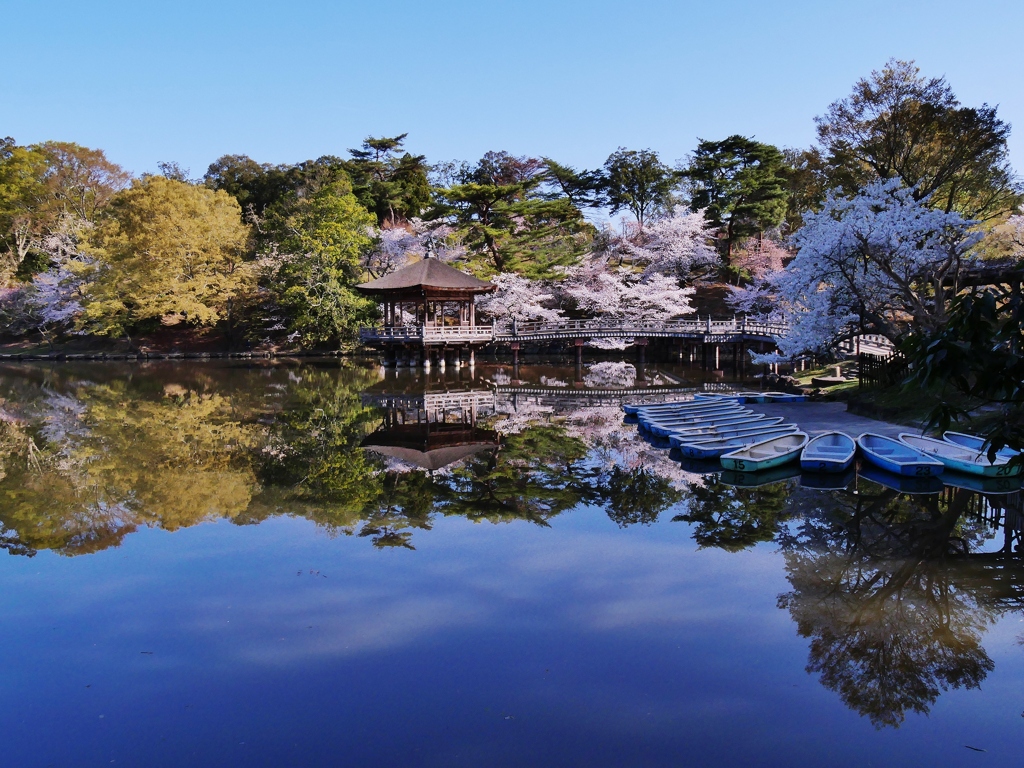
x,y
166,250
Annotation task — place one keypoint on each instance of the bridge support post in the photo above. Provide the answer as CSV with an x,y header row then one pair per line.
x,y
472,358
641,358
717,366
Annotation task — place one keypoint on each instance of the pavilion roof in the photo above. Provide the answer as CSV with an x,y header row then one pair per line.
x,y
428,273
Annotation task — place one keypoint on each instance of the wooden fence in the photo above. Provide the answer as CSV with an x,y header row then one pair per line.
x,y
875,370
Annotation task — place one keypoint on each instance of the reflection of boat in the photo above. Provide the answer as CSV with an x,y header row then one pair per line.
x,y
893,456
762,477
976,443
990,485
699,466
829,452
959,458
828,481
901,483
707,449
769,453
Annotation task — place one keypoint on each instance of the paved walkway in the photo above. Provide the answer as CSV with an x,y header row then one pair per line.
x,y
815,418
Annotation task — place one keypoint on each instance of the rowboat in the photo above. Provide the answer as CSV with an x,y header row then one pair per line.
x,y
894,456
757,420
827,481
761,478
695,414
979,484
667,428
731,420
925,484
959,458
710,449
750,430
689,420
830,452
785,397
633,408
717,396
773,452
753,397
976,443
686,405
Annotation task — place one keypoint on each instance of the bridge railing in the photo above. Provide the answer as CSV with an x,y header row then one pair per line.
x,y
594,327
421,333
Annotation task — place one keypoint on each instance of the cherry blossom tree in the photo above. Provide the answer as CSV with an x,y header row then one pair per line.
x,y
880,259
761,256
675,245
519,298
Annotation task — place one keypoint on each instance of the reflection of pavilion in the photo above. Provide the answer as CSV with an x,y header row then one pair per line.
x,y
431,430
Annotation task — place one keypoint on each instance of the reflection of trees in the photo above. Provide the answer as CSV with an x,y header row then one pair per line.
x,y
875,586
731,517
637,495
535,474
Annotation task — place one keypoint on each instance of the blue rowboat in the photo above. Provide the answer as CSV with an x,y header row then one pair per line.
x,y
754,397
925,484
751,431
894,456
830,452
828,481
757,420
976,443
733,396
706,426
687,405
773,452
785,397
961,459
761,478
667,428
700,405
668,423
634,408
667,418
710,449
979,484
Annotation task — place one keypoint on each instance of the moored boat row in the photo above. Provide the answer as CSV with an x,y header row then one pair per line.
x,y
717,426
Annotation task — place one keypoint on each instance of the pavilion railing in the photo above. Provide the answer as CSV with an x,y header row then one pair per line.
x,y
421,333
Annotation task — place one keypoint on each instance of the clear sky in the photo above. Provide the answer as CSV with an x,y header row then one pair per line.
x,y
295,79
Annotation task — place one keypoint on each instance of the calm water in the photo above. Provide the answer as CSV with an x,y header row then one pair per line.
x,y
205,568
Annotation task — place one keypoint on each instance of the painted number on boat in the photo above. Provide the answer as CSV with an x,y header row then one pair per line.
x,y
923,471
740,464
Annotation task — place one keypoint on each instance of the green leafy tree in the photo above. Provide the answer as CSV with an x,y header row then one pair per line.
x,y
898,124
507,222
741,185
637,181
321,262
166,251
392,186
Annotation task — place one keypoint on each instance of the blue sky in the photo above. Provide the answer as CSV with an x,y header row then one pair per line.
x,y
287,81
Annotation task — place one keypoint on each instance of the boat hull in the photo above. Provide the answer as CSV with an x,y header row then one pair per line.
x,y
904,461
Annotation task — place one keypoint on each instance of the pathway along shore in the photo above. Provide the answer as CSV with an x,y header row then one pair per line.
x,y
815,418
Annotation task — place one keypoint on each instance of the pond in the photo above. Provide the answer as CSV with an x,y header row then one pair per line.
x,y
325,564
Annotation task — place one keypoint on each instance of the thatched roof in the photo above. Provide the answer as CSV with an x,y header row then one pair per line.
x,y
428,273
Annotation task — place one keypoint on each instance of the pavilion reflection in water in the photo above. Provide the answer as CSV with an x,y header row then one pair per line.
x,y
431,429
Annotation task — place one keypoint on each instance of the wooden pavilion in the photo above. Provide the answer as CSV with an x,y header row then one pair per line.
x,y
429,311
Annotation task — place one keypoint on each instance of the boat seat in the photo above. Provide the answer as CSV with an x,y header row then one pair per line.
x,y
831,449
884,451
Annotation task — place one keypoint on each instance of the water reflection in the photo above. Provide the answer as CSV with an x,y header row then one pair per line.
x,y
894,587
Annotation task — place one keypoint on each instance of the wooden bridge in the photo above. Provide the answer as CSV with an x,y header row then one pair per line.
x,y
701,330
